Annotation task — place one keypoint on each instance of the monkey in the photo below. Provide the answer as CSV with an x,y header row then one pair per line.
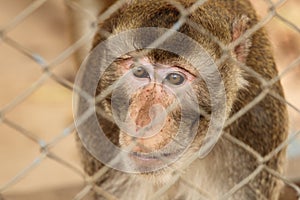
x,y
149,81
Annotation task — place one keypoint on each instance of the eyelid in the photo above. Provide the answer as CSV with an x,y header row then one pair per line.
x,y
132,66
176,72
125,57
179,72
189,76
137,64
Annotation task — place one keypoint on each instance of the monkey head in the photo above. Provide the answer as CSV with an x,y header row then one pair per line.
x,y
162,103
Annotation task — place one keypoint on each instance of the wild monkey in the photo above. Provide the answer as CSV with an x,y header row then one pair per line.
x,y
155,79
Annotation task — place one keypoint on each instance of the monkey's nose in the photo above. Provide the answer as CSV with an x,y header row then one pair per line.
x,y
150,123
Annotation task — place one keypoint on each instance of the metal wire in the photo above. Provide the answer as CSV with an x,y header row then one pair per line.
x,y
47,74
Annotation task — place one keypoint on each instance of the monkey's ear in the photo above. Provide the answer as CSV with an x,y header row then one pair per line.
x,y
239,27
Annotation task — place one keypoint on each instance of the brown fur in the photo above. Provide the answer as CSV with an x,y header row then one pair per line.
x,y
263,127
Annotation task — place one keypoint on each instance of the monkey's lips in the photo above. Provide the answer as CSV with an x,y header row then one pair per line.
x,y
153,158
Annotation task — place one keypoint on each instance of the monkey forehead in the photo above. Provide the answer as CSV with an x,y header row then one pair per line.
x,y
205,22
165,14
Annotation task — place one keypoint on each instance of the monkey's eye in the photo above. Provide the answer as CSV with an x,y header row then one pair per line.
x,y
175,78
140,72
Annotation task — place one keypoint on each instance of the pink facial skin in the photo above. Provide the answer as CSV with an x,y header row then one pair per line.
x,y
155,87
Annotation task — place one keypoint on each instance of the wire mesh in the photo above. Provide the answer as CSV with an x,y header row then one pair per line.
x,y
48,70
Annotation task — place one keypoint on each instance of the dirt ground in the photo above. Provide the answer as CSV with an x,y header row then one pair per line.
x,y
48,110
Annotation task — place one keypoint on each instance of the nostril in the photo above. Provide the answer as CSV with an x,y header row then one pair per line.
x,y
150,116
149,122
138,128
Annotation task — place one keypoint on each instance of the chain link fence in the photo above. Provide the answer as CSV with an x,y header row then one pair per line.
x,y
38,154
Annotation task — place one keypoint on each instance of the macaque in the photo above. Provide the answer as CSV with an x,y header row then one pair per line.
x,y
168,108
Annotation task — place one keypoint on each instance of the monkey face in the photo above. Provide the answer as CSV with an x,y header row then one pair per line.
x,y
153,105
155,109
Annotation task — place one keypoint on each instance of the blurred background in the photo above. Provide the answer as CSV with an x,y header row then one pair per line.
x,y
35,110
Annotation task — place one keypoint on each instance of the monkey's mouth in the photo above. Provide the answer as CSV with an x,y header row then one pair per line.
x,y
154,158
